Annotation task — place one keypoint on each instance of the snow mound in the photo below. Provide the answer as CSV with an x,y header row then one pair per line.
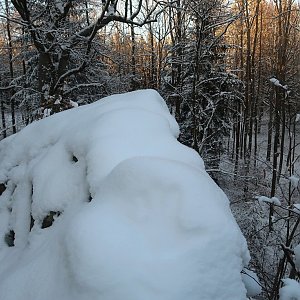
x,y
297,256
102,202
251,282
290,290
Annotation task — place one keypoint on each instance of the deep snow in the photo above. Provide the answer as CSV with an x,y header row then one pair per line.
x,y
136,217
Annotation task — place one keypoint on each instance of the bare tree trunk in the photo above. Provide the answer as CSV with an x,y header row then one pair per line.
x,y
253,105
133,51
177,36
270,126
242,126
275,153
237,137
282,138
3,121
286,32
87,13
248,93
196,62
11,69
258,92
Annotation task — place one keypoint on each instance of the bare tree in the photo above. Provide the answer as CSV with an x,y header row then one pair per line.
x,y
64,41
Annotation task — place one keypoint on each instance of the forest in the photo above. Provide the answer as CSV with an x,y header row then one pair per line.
x,y
228,71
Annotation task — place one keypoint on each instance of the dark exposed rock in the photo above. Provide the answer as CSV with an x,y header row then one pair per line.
x,y
90,198
49,219
31,222
2,188
10,238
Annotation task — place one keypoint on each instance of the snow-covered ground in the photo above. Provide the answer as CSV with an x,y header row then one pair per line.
x,y
102,202
250,199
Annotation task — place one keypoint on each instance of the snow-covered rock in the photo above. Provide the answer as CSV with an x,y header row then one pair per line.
x,y
102,202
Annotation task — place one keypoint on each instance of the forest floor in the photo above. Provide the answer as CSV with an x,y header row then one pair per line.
x,y
251,215
244,188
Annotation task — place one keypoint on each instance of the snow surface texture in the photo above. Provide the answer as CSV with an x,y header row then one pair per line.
x,y
290,290
135,216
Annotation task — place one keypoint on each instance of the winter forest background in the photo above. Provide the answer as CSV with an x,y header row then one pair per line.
x,y
229,72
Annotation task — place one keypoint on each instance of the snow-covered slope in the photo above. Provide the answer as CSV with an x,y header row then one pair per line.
x,y
102,202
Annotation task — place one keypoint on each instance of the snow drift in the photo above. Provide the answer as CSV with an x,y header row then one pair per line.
x,y
102,202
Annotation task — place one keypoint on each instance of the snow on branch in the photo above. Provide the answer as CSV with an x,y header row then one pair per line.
x,y
294,180
276,82
83,85
272,200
